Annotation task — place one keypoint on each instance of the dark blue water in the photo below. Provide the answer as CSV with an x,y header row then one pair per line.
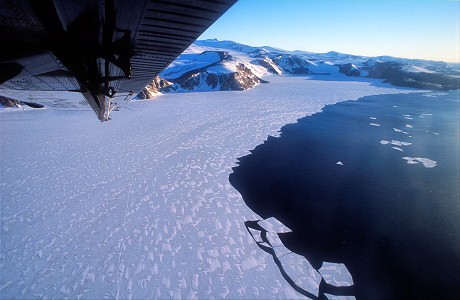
x,y
395,225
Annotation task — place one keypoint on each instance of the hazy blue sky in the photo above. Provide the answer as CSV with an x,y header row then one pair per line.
x,y
406,28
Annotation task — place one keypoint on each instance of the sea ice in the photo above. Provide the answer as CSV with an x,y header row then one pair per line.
x,y
339,163
256,235
401,131
273,225
428,163
399,143
141,207
374,124
301,272
335,297
336,274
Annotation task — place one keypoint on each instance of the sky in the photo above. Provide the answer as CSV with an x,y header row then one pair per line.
x,y
405,28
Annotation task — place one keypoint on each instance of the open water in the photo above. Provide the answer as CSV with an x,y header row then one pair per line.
x,y
372,183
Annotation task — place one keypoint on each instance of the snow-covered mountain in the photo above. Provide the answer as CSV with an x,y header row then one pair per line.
x,y
210,65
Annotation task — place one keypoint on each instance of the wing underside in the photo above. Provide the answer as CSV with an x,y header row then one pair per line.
x,y
95,47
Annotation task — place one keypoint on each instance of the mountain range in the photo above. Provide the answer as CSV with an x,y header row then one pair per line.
x,y
210,65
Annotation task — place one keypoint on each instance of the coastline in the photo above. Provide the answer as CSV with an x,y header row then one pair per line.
x,y
141,206
323,174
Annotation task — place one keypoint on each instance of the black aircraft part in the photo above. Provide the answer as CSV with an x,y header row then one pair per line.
x,y
97,47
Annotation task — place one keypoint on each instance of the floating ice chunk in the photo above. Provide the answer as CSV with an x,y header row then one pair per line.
x,y
374,124
409,126
427,163
399,130
301,272
335,297
410,160
407,115
384,142
399,143
397,148
273,225
277,245
408,118
336,274
395,106
426,114
339,163
373,118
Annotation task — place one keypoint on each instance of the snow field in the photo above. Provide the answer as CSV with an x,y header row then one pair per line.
x,y
141,206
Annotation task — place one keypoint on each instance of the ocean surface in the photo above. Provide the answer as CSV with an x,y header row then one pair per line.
x,y
372,183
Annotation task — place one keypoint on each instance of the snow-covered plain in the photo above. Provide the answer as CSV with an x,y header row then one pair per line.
x,y
141,206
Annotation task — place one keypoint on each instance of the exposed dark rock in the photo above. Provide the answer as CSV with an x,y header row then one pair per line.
x,y
7,102
394,73
157,85
266,64
32,104
292,64
259,53
223,56
241,80
349,70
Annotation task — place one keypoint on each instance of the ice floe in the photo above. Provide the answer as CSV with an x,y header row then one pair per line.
x,y
399,143
339,163
336,274
395,142
335,297
374,124
301,272
273,225
428,163
401,131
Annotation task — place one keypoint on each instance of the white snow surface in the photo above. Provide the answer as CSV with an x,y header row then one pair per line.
x,y
140,206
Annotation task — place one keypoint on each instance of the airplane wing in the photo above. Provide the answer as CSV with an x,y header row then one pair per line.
x,y
99,48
